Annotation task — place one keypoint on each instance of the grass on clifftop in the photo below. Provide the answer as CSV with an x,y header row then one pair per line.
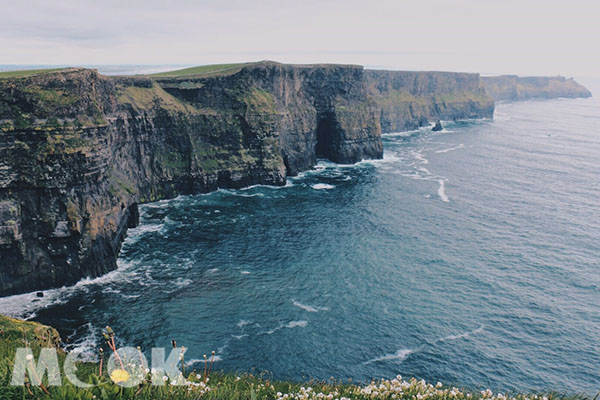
x,y
202,383
202,70
27,72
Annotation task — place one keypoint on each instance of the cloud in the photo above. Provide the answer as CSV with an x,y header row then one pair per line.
x,y
525,36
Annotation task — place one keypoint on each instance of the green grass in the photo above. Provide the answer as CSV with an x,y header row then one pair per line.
x,y
27,72
202,70
260,100
258,386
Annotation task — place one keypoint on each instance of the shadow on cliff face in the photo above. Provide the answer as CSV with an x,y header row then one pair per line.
x,y
326,129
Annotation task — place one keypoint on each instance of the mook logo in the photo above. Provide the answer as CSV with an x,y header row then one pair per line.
x,y
126,367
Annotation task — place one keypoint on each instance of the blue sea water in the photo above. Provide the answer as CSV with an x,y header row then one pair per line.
x,y
469,256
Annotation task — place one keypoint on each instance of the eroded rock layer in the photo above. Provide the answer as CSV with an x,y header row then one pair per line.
x,y
79,151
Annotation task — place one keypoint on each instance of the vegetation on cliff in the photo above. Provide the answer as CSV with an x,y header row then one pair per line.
x,y
408,100
512,87
27,72
203,70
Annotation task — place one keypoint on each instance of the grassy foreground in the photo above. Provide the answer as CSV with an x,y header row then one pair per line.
x,y
204,383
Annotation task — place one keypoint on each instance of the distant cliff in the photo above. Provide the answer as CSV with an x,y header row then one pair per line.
x,y
408,100
79,151
512,87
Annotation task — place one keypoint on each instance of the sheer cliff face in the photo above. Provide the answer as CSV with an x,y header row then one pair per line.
x,y
79,151
311,111
512,87
408,100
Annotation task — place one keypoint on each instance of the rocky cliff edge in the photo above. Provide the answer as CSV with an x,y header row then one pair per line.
x,y
79,151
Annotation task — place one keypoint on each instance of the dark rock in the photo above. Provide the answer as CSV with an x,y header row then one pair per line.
x,y
438,126
409,100
79,151
39,294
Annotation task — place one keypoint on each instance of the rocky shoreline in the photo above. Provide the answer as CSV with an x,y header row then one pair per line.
x,y
79,151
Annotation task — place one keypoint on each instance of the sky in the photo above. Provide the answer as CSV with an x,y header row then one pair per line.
x,y
527,37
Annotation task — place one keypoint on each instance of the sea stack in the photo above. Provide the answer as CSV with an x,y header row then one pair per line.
x,y
438,126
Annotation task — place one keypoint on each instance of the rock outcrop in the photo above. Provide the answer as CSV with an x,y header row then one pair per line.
x,y
79,151
512,87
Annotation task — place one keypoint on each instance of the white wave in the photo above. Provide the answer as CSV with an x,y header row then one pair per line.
x,y
296,324
239,337
321,186
239,193
245,272
402,354
460,146
328,169
110,289
442,191
419,156
260,186
462,335
388,158
243,323
212,270
86,347
400,134
426,128
179,283
215,358
144,228
289,325
399,356
156,204
501,116
25,305
309,308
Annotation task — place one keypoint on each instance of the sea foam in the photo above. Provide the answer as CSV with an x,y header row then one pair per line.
x,y
442,191
309,308
321,186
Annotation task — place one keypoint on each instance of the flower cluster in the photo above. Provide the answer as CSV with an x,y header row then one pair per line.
x,y
198,384
310,394
398,388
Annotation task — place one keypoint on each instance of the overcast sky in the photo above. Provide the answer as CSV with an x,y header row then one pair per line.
x,y
505,36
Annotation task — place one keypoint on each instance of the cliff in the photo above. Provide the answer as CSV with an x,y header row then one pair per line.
x,y
79,151
14,332
408,100
512,87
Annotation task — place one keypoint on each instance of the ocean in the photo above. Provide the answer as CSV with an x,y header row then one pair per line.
x,y
469,256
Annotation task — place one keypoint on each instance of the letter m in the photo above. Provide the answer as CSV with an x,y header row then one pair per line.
x,y
25,364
